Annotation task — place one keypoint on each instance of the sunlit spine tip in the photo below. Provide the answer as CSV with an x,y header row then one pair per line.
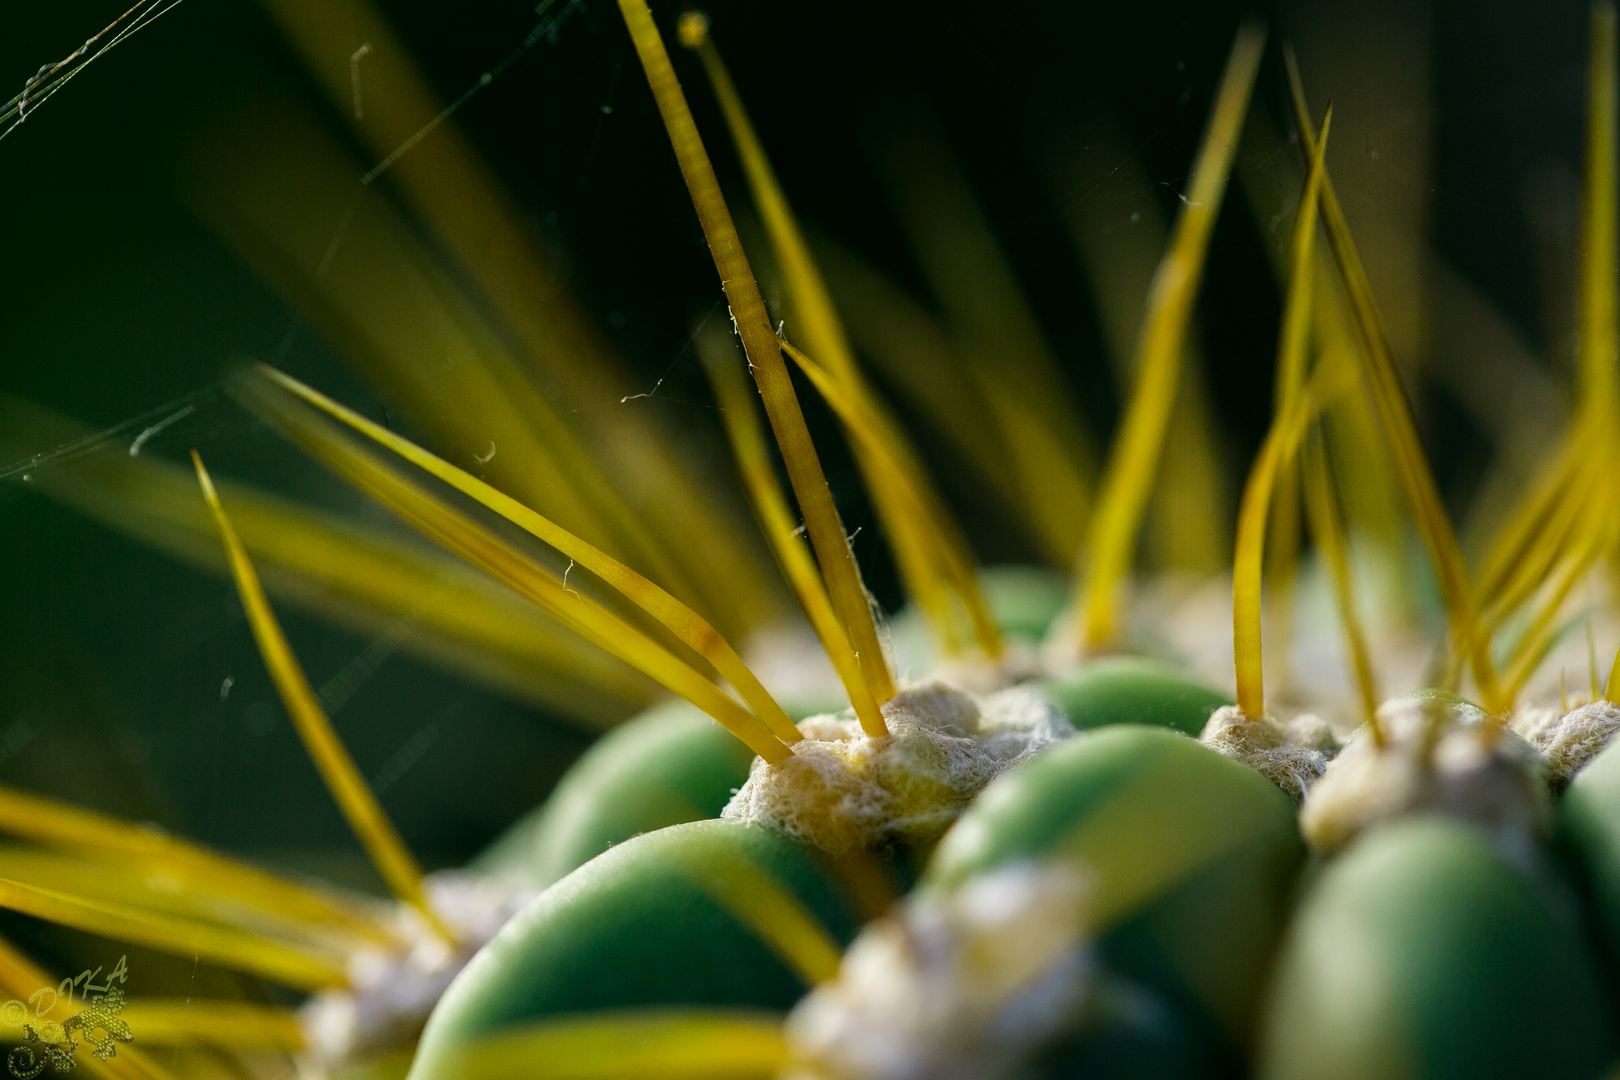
x,y
693,29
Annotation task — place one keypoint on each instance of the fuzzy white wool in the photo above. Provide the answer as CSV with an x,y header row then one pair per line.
x,y
967,986
842,789
1437,757
1568,740
1291,755
391,991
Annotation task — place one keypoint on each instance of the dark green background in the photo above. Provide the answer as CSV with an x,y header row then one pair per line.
x,y
114,299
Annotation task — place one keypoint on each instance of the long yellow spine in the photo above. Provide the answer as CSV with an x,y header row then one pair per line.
x,y
1384,386
1277,454
1328,531
487,551
679,619
365,815
765,360
1135,458
926,541
1597,389
748,447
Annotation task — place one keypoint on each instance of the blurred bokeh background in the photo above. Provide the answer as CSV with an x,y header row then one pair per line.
x,y
171,214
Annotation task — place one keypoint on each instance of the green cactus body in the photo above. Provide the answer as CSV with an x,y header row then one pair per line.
x,y
1423,952
1193,858
669,765
1024,600
673,764
1132,690
1588,818
643,925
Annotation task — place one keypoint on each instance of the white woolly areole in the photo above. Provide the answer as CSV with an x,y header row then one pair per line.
x,y
391,991
1568,740
1437,757
842,789
967,986
1290,755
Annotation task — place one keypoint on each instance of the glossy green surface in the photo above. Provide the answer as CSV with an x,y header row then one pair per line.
x,y
1023,600
669,765
1132,690
635,927
1192,857
1589,827
1423,953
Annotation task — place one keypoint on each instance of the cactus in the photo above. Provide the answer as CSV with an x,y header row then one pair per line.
x,y
1017,837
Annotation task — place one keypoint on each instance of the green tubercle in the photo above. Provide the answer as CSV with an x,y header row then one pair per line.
x,y
1024,601
1132,690
1423,952
669,765
1588,823
673,917
1192,857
